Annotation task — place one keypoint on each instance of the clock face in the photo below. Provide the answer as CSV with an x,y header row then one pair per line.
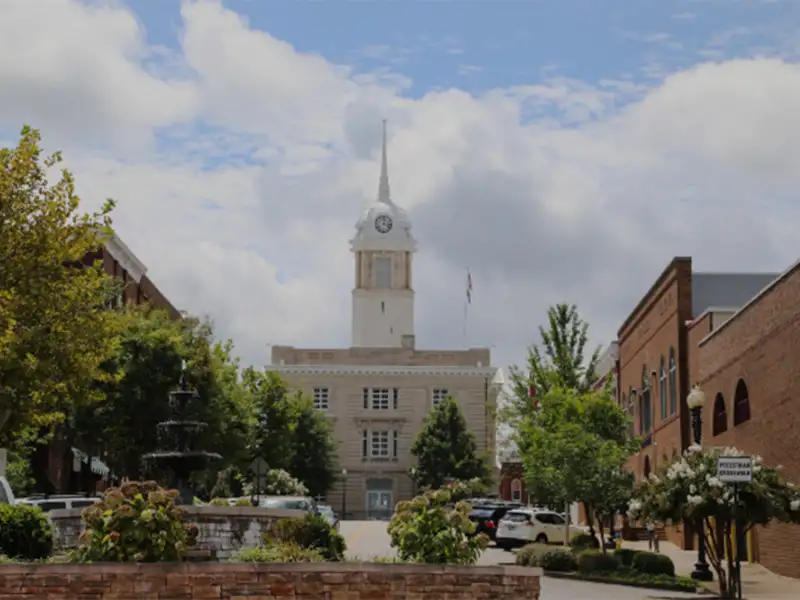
x,y
383,223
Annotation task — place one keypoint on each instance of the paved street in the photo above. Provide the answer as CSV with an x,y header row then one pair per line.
x,y
368,539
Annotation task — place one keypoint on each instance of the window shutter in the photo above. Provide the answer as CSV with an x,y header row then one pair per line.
x,y
364,443
395,397
394,443
366,397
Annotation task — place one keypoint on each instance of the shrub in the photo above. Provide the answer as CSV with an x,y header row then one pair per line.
x,y
650,563
278,482
426,530
584,541
243,502
218,502
625,556
284,552
558,559
311,532
137,522
594,561
528,556
25,532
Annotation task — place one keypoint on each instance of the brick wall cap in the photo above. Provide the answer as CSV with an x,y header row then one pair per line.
x,y
198,512
233,567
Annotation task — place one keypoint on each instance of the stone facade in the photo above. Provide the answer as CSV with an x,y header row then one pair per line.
x,y
234,581
224,531
377,400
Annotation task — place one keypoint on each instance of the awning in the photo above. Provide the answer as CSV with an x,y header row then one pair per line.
x,y
98,467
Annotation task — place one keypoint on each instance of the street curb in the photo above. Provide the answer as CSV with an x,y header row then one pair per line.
x,y
634,584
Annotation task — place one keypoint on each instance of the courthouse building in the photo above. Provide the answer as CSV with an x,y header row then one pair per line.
x,y
379,391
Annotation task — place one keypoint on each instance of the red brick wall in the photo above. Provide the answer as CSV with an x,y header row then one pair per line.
x,y
760,346
228,581
656,325
508,473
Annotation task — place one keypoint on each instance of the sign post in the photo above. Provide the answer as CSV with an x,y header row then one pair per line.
x,y
736,470
259,468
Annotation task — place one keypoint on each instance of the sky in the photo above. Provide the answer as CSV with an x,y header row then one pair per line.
x,y
561,150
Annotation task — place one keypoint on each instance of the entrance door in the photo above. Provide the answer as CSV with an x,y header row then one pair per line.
x,y
379,504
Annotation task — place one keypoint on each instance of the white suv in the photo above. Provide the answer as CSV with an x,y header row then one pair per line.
x,y
527,525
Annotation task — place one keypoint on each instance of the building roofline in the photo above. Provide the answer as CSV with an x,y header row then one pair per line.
x,y
709,310
668,270
388,370
754,300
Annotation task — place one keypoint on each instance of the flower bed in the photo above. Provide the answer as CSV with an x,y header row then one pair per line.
x,y
226,581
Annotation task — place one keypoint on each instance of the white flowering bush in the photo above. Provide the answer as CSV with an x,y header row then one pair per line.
x,y
689,489
278,482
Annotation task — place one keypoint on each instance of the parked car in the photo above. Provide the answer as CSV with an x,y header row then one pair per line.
x,y
487,517
303,503
59,501
329,514
526,525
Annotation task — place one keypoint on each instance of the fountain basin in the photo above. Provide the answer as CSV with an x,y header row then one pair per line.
x,y
224,530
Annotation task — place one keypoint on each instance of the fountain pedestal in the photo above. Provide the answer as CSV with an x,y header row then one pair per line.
x,y
177,440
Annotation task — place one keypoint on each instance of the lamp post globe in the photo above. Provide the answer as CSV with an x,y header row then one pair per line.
x,y
696,398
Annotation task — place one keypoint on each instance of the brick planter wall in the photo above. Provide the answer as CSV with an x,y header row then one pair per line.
x,y
234,581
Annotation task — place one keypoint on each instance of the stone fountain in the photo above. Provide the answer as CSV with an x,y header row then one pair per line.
x,y
177,440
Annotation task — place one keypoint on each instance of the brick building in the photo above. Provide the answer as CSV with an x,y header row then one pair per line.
x,y
747,366
512,478
66,465
654,361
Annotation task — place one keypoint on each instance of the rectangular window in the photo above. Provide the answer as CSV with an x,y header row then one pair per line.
x,y
364,444
379,444
379,399
383,272
395,397
439,395
321,396
394,444
365,396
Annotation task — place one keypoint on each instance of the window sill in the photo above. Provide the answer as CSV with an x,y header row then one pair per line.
x,y
379,459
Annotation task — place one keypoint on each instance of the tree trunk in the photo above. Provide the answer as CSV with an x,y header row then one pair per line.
x,y
587,510
600,526
40,466
732,580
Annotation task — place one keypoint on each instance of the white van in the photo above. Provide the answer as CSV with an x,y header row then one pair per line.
x,y
59,502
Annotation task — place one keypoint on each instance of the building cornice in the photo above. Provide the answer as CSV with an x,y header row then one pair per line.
x,y
125,257
384,370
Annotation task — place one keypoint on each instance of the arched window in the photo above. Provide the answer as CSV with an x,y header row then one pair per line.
x,y
646,467
645,405
741,404
720,421
629,412
673,383
662,389
516,490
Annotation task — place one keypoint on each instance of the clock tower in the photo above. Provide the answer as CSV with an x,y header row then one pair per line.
x,y
383,296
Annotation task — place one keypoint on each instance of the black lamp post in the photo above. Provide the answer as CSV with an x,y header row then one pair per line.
x,y
695,402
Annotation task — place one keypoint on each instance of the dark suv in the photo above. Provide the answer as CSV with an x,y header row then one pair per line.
x,y
487,515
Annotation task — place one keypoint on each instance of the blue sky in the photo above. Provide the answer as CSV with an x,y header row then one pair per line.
x,y
479,45
563,150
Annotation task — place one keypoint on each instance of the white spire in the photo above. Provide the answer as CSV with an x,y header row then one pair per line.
x,y
384,195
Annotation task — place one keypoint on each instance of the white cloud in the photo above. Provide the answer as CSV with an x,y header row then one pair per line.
x,y
554,190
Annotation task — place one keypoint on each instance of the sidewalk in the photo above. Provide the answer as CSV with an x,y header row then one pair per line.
x,y
758,583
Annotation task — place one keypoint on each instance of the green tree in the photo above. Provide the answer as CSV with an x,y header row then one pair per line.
x,y
559,360
572,446
290,434
55,332
445,449
147,367
273,438
314,452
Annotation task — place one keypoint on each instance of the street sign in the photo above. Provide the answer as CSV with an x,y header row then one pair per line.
x,y
735,469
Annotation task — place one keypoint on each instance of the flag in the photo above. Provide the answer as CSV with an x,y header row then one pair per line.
x,y
469,287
